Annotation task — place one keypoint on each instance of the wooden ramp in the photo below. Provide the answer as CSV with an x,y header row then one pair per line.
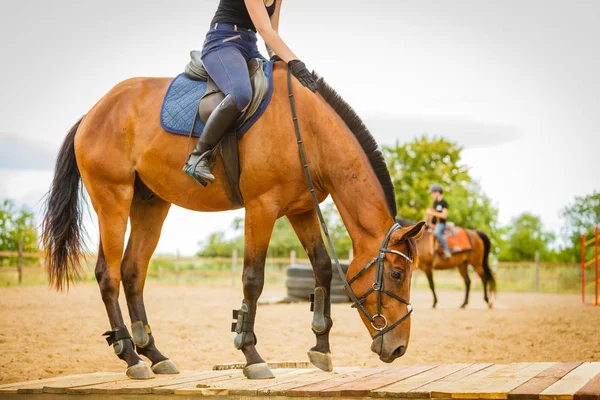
x,y
519,381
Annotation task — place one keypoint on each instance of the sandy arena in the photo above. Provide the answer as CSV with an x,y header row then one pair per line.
x,y
44,334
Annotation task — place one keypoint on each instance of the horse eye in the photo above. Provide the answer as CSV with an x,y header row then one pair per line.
x,y
396,274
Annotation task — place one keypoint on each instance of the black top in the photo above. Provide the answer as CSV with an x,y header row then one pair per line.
x,y
234,12
439,206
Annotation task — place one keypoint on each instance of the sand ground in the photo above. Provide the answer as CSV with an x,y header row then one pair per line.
x,y
45,334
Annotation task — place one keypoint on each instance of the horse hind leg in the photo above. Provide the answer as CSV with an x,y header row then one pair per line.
x,y
464,272
429,273
112,204
307,229
146,218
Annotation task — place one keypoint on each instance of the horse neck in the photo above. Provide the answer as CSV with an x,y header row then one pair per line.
x,y
348,176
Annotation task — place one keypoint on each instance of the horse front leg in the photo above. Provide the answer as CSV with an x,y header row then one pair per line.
x,y
258,227
307,229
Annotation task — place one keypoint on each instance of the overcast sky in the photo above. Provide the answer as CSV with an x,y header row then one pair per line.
x,y
514,82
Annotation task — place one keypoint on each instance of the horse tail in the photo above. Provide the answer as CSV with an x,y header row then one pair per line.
x,y
487,272
62,233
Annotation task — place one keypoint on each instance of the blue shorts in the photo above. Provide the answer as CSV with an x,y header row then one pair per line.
x,y
226,52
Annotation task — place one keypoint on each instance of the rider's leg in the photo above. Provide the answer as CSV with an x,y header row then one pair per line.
x,y
228,68
439,235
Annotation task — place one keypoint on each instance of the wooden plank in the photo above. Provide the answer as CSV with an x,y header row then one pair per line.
x,y
271,364
132,386
303,380
314,389
531,389
432,387
500,387
572,382
223,385
36,386
404,387
201,382
590,391
446,389
480,387
247,387
62,386
362,387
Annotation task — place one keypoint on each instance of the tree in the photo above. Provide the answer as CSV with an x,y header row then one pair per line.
x,y
580,217
417,164
283,239
16,224
524,236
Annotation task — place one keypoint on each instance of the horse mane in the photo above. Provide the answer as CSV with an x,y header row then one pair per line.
x,y
364,137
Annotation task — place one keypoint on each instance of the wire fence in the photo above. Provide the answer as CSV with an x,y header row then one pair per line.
x,y
219,271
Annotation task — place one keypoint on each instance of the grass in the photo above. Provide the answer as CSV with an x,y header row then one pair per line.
x,y
511,278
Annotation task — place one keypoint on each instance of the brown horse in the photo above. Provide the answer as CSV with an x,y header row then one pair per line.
x,y
131,169
477,257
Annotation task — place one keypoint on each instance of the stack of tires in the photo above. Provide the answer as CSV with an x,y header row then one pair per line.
x,y
300,283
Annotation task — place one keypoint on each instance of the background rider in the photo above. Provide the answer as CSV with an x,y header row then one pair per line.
x,y
438,215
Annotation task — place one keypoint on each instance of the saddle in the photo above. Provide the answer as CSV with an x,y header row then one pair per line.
x,y
457,240
213,96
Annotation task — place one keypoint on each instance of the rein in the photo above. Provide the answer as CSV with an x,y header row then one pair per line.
x,y
378,321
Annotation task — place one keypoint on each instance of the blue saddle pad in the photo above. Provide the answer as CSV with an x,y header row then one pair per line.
x,y
180,103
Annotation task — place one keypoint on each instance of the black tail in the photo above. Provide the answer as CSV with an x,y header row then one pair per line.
x,y
62,233
487,272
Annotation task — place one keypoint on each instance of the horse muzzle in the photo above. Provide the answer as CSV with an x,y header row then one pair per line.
x,y
387,353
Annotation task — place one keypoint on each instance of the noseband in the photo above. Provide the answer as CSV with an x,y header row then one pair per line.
x,y
378,321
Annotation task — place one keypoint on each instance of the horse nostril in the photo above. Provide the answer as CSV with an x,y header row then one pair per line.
x,y
399,351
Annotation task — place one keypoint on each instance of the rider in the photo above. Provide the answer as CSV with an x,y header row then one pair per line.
x,y
438,215
230,44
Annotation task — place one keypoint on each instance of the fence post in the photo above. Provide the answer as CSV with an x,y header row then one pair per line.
x,y
537,271
596,255
234,261
20,261
177,267
583,268
292,257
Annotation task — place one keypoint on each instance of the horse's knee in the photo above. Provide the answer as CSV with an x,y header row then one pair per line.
x,y
253,281
243,96
322,265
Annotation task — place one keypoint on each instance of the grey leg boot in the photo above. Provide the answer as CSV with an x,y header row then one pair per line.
x,y
219,123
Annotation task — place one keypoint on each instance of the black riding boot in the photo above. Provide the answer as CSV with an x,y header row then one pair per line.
x,y
219,123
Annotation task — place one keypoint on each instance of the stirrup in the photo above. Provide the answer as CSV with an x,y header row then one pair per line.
x,y
190,169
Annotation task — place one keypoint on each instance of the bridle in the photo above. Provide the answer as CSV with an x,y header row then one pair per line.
x,y
378,321
378,286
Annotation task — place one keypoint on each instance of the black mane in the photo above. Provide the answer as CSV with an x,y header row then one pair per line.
x,y
364,137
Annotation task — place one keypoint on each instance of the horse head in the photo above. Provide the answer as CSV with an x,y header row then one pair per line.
x,y
381,290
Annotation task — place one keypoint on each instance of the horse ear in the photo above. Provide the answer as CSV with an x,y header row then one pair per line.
x,y
410,232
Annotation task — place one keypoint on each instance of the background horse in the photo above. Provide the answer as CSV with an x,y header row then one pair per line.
x,y
477,257
131,169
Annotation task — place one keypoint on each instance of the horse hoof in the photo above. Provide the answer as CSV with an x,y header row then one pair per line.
x,y
258,371
463,306
490,305
165,367
321,360
140,370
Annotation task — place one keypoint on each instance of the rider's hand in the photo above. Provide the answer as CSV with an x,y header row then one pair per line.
x,y
301,73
